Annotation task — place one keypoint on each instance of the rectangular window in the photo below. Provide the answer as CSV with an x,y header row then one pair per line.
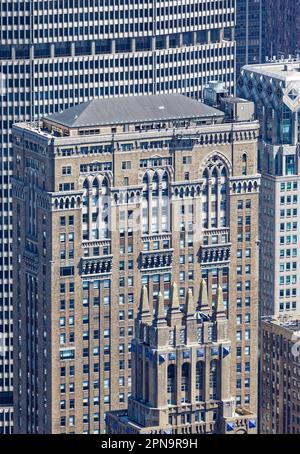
x,y
126,165
66,271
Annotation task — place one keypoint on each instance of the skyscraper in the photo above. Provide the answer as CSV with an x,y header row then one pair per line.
x,y
282,28
110,197
181,376
275,89
279,388
55,54
250,32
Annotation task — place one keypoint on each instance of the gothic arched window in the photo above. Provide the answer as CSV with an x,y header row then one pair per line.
x,y
155,203
244,164
215,197
95,210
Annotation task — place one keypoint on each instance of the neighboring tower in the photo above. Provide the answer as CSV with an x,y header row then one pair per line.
x,y
282,28
250,32
280,380
57,54
275,89
181,371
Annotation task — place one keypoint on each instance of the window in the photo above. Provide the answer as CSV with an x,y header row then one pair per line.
x,y
126,165
66,170
290,165
186,160
130,314
63,421
67,271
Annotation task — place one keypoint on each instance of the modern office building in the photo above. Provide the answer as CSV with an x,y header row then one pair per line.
x,y
250,32
280,377
181,375
275,89
56,54
111,196
282,28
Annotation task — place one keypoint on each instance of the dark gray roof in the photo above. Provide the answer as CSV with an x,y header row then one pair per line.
x,y
135,109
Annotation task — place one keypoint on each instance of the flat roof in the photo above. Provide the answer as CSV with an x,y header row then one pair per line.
x,y
287,71
291,322
135,109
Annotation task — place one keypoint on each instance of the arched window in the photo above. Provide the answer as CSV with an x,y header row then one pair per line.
x,y
155,203
145,205
85,210
200,381
165,204
155,183
215,193
154,208
95,209
244,164
32,209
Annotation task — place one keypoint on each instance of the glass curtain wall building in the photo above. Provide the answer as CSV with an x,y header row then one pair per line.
x,y
54,54
250,32
282,28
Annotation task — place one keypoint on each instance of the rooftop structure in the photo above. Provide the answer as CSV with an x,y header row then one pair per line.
x,y
285,70
144,109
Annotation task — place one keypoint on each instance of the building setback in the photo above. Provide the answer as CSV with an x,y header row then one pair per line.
x,y
56,54
280,375
275,89
110,197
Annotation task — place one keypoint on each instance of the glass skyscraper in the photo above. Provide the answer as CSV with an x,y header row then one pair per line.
x,y
250,32
54,54
282,28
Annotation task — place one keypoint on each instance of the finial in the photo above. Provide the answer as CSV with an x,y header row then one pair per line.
x,y
160,311
204,299
190,308
220,308
160,316
175,298
144,309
